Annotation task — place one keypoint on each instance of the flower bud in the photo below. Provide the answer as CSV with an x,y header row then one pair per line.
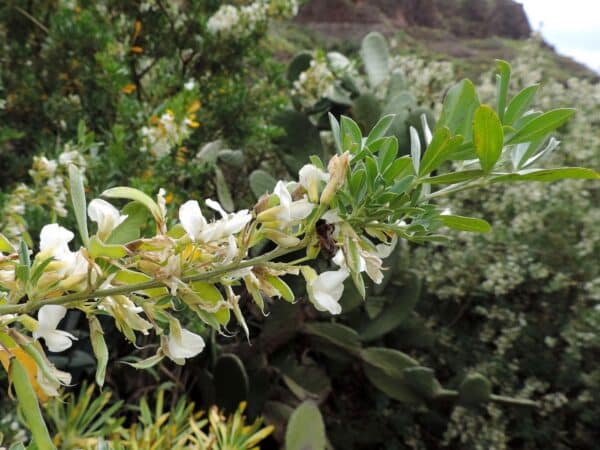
x,y
338,167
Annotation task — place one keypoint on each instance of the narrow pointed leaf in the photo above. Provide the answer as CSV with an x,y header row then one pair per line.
x,y
542,125
488,137
470,224
520,104
79,202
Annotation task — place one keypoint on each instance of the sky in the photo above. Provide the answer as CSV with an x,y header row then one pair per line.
x,y
572,26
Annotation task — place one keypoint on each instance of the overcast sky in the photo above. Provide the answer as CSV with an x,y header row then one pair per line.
x,y
572,26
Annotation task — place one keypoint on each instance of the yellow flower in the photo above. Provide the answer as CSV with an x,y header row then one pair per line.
x,y
195,106
128,88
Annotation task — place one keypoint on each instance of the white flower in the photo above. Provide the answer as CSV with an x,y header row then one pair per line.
x,y
326,290
310,177
184,345
48,318
191,218
290,211
197,228
54,242
189,85
105,215
55,239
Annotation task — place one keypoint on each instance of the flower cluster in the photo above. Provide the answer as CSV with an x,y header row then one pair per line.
x,y
241,22
168,131
322,78
47,190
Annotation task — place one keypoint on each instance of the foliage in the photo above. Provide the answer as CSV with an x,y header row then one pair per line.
x,y
186,96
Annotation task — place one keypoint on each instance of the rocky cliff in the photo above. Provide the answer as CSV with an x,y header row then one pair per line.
x,y
462,18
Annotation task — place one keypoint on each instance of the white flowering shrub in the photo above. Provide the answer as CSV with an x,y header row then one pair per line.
x,y
353,212
539,299
240,22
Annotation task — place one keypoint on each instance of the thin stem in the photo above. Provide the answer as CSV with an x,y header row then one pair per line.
x,y
448,394
121,290
456,188
33,19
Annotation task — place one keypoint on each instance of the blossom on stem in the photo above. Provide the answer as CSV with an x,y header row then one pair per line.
x,y
183,344
338,167
105,215
72,267
288,211
48,318
310,177
198,229
326,289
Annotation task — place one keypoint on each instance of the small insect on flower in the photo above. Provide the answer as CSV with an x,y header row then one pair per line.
x,y
326,240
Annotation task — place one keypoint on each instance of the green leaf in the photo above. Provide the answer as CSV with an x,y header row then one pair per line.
x,y
261,182
29,406
375,54
146,363
470,224
385,367
223,192
281,286
488,137
304,380
456,177
366,109
305,430
502,80
403,185
79,202
474,390
441,147
5,245
301,139
520,104
542,125
380,128
335,130
403,301
422,380
100,349
335,333
548,175
129,229
299,64
351,135
22,271
136,195
459,105
98,248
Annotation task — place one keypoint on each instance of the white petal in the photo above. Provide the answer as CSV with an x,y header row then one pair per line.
x,y
50,315
105,215
188,346
58,341
385,250
327,289
55,239
310,176
191,218
281,191
237,221
217,207
300,209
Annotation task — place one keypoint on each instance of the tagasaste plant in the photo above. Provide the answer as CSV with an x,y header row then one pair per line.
x,y
352,211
